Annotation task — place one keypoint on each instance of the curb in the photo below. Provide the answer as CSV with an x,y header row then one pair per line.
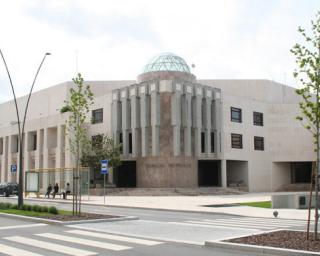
x,y
258,249
62,223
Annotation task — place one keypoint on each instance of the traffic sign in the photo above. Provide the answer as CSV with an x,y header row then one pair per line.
x,y
104,166
13,168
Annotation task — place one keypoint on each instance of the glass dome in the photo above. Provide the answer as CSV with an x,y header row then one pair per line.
x,y
166,62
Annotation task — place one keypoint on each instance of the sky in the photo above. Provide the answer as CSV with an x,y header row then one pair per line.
x,y
113,40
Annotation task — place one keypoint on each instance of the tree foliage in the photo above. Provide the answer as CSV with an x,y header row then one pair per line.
x,y
308,73
102,147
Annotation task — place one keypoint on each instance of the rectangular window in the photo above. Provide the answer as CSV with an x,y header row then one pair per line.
x,y
236,140
258,118
97,116
120,142
130,143
202,142
97,141
258,143
212,142
236,115
34,142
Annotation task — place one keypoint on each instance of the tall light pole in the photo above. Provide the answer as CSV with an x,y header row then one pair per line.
x,y
21,129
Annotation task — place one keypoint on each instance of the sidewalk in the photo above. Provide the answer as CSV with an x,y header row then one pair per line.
x,y
194,204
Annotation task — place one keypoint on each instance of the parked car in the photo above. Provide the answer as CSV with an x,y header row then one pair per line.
x,y
8,189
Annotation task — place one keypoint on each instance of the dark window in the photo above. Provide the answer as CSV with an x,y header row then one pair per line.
x,y
34,142
130,143
258,118
212,142
258,143
120,142
202,142
97,116
236,140
236,115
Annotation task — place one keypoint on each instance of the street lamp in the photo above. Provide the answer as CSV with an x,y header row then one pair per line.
x,y
21,130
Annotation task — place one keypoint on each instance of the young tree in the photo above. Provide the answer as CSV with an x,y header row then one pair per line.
x,y
308,72
81,98
102,147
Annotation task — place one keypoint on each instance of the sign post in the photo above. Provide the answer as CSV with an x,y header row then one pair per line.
x,y
104,171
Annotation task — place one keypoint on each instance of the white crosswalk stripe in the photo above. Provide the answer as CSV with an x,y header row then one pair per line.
x,y
248,223
13,251
114,237
71,237
86,242
49,246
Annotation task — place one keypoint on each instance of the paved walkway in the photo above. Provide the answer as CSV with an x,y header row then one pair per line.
x,y
196,204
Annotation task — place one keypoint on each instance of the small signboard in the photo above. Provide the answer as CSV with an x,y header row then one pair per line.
x,y
104,166
32,181
13,168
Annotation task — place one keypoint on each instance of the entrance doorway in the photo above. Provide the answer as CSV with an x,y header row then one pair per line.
x,y
301,172
125,175
209,173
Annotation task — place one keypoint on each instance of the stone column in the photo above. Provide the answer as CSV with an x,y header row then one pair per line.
x,y
207,125
9,158
125,113
145,121
135,120
187,119
45,159
223,173
26,164
155,118
217,124
58,155
116,116
198,120
4,159
176,116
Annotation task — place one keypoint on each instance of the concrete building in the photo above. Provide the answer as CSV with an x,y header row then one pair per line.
x,y
175,130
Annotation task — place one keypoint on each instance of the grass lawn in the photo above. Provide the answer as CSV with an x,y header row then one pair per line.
x,y
263,204
32,213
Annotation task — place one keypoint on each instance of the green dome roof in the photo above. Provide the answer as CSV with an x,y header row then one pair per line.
x,y
166,62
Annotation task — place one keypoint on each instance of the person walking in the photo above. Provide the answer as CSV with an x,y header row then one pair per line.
x,y
55,190
49,189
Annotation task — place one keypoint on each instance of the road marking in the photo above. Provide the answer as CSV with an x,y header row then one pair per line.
x,y
274,221
240,223
12,251
86,242
244,225
50,246
23,226
200,224
114,237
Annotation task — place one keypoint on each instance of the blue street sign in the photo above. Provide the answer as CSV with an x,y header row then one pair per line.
x,y
13,168
104,166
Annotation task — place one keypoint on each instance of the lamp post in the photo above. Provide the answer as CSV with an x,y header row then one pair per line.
x,y
21,129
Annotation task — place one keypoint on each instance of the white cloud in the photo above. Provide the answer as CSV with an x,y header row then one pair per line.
x,y
114,39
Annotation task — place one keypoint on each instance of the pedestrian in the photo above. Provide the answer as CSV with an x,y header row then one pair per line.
x,y
67,192
49,189
55,190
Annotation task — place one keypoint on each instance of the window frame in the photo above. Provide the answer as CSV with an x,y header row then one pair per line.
x,y
94,120
233,142
258,139
236,110
257,118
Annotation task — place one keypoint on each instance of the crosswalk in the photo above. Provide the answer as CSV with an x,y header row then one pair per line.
x,y
245,223
70,242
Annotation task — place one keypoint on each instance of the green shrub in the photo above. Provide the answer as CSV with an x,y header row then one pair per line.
x,y
14,206
26,207
44,208
53,210
36,208
2,206
7,205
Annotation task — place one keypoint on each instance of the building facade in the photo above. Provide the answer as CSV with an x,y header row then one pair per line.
x,y
175,130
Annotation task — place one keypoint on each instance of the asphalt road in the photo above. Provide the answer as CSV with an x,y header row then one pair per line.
x,y
179,233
